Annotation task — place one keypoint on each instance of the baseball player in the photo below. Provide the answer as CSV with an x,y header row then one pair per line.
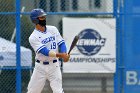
x,y
46,41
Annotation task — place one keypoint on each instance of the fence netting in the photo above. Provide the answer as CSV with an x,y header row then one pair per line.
x,y
56,9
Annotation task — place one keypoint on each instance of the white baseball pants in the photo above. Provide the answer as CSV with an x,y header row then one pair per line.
x,y
41,73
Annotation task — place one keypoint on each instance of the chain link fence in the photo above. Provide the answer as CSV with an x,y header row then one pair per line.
x,y
56,9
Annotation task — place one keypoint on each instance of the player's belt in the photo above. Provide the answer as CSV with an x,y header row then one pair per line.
x,y
45,63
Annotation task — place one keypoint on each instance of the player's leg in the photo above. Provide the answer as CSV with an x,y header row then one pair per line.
x,y
37,80
55,79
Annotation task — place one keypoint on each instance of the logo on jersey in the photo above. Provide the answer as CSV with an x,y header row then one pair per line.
x,y
49,39
90,42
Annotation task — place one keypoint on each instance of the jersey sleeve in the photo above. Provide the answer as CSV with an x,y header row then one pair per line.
x,y
59,38
36,45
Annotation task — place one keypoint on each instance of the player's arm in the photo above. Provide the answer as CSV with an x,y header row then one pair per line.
x,y
62,48
44,51
50,53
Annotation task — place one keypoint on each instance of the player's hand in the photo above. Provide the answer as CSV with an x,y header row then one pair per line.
x,y
64,56
61,55
66,59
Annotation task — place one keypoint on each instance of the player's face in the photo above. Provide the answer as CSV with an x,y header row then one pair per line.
x,y
42,18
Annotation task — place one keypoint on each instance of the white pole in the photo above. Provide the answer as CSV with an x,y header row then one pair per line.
x,y
14,33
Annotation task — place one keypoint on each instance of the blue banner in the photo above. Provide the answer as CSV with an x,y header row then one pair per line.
x,y
131,45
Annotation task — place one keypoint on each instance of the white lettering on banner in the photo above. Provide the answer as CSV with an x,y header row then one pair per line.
x,y
92,42
132,78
